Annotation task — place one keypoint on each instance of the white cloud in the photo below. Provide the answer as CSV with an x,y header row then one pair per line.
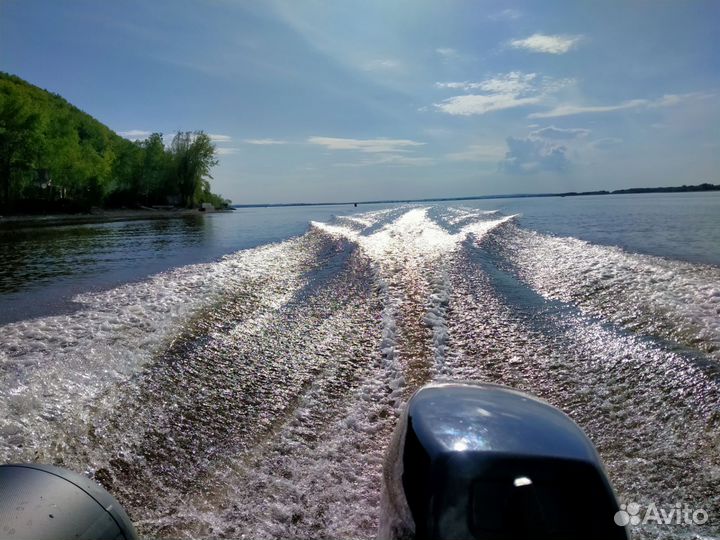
x,y
456,85
542,43
506,15
478,152
514,82
480,104
135,134
552,132
531,155
365,145
226,150
219,138
385,151
668,100
502,91
568,110
264,141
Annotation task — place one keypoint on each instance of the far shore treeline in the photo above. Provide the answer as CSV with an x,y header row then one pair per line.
x,y
56,158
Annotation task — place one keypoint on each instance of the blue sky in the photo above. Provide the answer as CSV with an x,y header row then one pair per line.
x,y
343,100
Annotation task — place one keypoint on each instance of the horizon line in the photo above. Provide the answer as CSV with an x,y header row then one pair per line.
x,y
624,191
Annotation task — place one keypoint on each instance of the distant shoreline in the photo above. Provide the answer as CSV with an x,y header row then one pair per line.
x,y
673,189
107,216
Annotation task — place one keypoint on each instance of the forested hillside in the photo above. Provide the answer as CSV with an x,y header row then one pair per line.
x,y
54,157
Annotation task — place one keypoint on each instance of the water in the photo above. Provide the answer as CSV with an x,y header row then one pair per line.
x,y
255,394
43,268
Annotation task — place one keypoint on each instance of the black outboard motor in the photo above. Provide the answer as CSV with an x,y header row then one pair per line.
x,y
41,502
480,461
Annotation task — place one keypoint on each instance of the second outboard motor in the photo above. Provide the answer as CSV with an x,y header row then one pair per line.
x,y
42,502
481,461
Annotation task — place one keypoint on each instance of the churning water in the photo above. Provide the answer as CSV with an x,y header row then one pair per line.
x,y
255,395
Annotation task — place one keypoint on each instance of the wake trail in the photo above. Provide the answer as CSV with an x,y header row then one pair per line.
x,y
255,396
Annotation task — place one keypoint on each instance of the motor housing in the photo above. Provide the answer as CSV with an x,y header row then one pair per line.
x,y
482,461
42,502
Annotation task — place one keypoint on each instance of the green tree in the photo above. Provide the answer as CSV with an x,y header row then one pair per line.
x,y
156,168
53,156
193,155
19,138
126,177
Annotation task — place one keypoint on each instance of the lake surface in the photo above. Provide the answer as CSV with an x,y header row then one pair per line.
x,y
241,374
43,268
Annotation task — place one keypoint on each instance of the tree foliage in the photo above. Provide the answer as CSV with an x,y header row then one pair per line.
x,y
55,157
193,156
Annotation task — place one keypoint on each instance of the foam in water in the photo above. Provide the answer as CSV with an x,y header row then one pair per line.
x,y
667,298
411,249
55,369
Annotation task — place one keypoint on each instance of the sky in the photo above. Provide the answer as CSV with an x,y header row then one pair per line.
x,y
338,100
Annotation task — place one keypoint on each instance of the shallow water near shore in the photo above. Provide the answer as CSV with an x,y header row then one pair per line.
x,y
251,387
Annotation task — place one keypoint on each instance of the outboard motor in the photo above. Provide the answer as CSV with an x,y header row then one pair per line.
x,y
41,502
481,461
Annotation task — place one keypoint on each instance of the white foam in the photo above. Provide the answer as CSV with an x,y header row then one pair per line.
x,y
673,299
410,251
468,214
53,370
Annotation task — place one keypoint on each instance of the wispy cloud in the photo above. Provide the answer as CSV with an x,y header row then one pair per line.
x,y
569,110
384,151
219,138
135,134
543,43
478,152
226,150
446,52
480,104
506,15
606,143
667,100
389,159
502,91
365,145
383,64
514,82
264,141
552,132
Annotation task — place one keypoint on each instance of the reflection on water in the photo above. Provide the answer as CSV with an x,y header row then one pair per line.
x,y
35,255
41,267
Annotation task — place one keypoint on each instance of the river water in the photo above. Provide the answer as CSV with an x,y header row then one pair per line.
x,y
241,374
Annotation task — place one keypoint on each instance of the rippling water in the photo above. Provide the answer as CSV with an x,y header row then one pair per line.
x,y
255,394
